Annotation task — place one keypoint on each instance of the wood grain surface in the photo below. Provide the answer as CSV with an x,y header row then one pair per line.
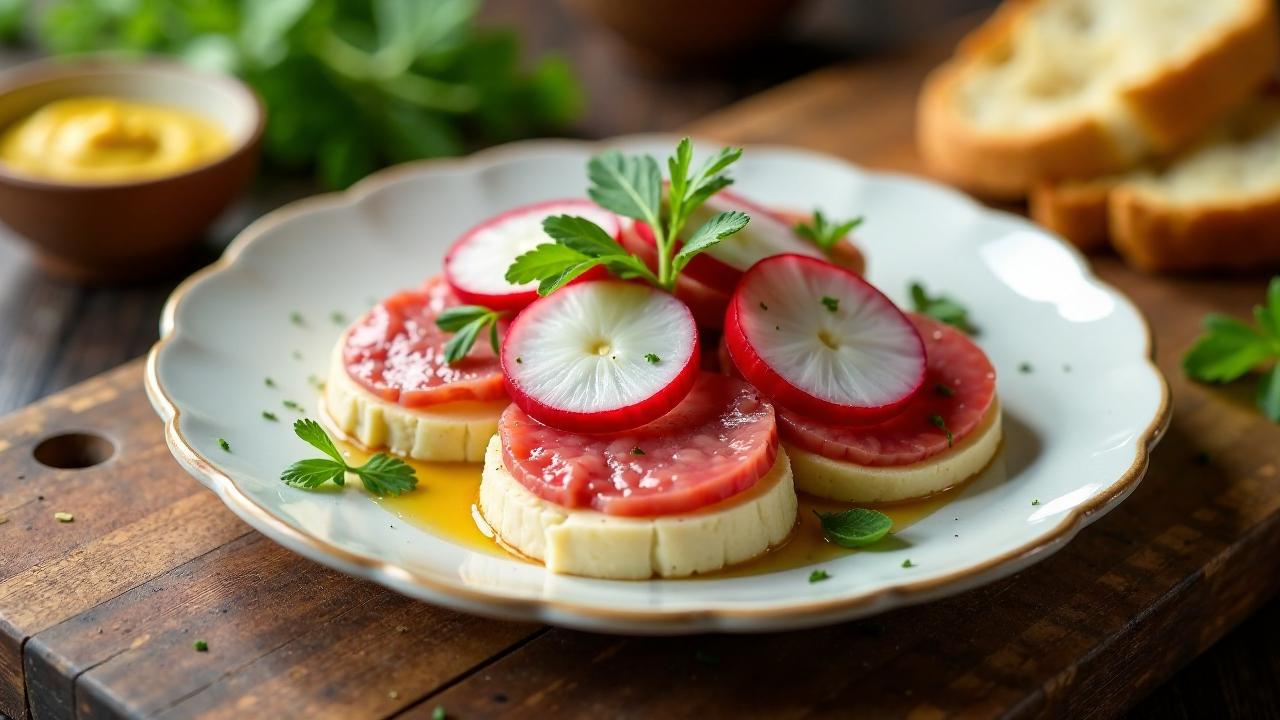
x,y
99,616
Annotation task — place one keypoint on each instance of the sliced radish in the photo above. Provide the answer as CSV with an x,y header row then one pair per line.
x,y
821,341
721,265
476,265
601,356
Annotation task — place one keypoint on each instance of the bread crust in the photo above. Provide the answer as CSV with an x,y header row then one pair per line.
x,y
1076,211
1158,237
1170,110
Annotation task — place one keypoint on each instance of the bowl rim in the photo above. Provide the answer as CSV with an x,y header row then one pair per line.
x,y
44,70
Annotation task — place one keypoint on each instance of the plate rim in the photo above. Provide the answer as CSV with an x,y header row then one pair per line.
x,y
464,597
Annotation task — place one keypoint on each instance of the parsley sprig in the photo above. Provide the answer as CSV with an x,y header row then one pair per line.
x,y
1230,348
942,308
632,186
381,474
467,322
824,232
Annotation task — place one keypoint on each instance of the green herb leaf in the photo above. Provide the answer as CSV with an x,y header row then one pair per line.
x,y
313,473
386,475
1269,394
832,304
652,358
541,262
818,576
942,308
1226,350
310,432
463,340
201,646
709,233
222,443
582,235
854,528
824,233
455,318
937,421
907,563
630,185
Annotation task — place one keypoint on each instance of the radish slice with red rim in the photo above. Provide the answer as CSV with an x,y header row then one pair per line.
x,y
601,356
476,265
821,341
721,266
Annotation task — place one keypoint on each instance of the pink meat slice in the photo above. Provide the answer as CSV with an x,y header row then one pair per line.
x,y
396,351
960,386
716,443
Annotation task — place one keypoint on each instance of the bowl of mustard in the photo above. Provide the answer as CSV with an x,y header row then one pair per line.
x,y
113,169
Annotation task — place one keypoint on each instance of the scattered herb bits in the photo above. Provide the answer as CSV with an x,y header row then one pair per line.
x,y
652,359
823,232
636,451
296,318
291,405
268,415
201,646
907,563
1025,368
818,576
268,382
854,528
337,318
830,303
937,421
1035,502
222,443
943,390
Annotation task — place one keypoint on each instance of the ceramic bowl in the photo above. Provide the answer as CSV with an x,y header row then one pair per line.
x,y
113,232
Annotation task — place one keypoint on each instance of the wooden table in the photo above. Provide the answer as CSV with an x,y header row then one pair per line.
x,y
112,603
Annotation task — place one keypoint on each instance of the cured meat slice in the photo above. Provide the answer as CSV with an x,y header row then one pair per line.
x,y
716,443
959,389
396,352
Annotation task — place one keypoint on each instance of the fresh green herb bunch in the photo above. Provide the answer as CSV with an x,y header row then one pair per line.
x,y
1230,348
349,85
632,186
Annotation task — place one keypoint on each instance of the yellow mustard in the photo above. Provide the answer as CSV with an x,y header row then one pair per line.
x,y
103,140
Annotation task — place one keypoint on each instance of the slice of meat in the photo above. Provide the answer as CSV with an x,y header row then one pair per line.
x,y
396,352
716,443
960,386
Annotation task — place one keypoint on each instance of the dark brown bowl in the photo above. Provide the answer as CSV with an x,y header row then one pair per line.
x,y
118,232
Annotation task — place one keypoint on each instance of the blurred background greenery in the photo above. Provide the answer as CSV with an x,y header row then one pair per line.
x,y
349,85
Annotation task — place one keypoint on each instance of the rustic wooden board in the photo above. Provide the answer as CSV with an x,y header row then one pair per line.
x,y
98,616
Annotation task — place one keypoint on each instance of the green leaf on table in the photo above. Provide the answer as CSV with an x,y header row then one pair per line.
x,y
854,528
1226,350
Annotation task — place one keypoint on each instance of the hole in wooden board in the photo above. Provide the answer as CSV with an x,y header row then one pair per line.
x,y
72,451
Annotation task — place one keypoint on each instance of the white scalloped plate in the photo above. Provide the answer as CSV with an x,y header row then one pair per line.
x,y
1079,427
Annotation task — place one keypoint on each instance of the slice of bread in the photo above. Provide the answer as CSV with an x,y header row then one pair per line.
x,y
1057,89
1215,207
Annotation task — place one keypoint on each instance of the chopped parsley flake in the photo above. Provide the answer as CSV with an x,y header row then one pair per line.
x,y
338,318
818,576
1035,502
268,415
1025,368
439,713
201,646
296,318
64,517
907,563
943,390
292,405
831,303
519,360
268,382
937,421
763,306
636,450
653,359
222,443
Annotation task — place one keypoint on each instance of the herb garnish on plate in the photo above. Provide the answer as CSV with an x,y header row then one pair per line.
x,y
854,528
942,308
381,474
823,232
